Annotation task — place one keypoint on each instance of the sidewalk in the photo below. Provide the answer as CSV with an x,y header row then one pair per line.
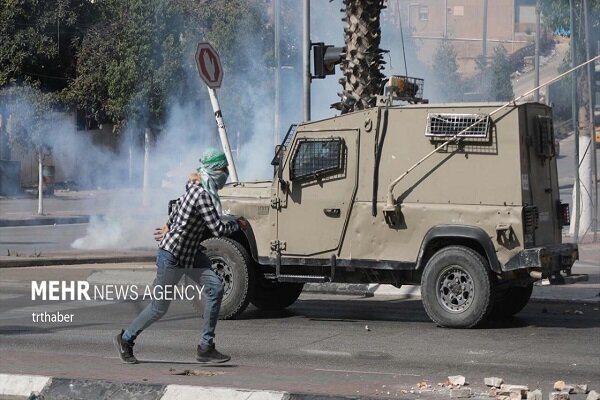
x,y
65,207
36,386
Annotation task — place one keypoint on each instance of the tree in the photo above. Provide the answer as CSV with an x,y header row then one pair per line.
x,y
89,90
130,63
240,32
39,41
31,113
501,69
446,79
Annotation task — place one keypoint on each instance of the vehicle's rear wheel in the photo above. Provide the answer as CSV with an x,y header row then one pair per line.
x,y
457,288
231,262
273,295
511,301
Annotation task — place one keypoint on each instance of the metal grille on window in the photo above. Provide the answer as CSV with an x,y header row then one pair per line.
x,y
314,157
443,125
545,136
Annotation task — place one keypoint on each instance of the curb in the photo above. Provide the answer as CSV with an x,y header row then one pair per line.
x,y
82,219
45,387
43,262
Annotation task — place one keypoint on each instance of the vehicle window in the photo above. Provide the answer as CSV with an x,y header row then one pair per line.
x,y
314,157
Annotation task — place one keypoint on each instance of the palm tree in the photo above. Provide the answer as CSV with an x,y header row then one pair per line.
x,y
363,60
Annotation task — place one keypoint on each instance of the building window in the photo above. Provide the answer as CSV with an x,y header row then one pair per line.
x,y
423,13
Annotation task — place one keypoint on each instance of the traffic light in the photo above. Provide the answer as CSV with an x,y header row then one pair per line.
x,y
325,57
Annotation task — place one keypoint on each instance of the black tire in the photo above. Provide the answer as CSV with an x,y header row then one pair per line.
x,y
457,288
273,295
511,301
231,262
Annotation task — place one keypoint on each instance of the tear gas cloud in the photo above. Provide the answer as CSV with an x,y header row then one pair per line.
x,y
190,128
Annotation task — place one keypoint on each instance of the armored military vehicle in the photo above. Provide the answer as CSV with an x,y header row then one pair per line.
x,y
353,199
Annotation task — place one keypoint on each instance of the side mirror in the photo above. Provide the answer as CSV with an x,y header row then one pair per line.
x,y
280,172
277,157
276,162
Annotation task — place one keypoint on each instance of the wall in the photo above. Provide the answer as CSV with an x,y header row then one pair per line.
x,y
461,21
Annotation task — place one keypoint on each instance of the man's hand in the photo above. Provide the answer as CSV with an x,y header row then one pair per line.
x,y
159,233
243,223
194,177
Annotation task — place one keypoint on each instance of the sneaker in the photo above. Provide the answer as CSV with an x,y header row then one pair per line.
x,y
210,355
125,349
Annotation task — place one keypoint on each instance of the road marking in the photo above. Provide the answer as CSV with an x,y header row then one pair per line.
x,y
327,353
365,372
6,296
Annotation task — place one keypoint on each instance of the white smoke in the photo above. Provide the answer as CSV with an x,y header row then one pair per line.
x,y
189,129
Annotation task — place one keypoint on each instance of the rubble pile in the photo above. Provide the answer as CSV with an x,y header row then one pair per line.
x,y
502,391
456,387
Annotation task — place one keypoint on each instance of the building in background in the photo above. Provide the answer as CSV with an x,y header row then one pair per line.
x,y
510,23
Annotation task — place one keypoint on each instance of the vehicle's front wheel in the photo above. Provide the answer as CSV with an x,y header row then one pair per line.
x,y
457,288
512,300
273,295
231,262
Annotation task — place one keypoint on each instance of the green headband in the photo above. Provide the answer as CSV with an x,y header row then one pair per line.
x,y
213,159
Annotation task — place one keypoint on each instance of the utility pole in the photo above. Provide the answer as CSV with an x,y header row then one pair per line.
x,y
130,144
2,136
40,181
306,57
590,128
536,75
576,214
58,32
146,177
277,47
484,41
445,19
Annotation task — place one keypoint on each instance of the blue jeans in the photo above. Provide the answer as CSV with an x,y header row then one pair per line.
x,y
169,273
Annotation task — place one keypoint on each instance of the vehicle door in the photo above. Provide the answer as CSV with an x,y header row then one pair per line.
x,y
317,186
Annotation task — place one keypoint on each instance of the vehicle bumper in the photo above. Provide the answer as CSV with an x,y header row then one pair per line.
x,y
550,260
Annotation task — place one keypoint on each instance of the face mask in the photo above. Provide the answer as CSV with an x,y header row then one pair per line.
x,y
220,178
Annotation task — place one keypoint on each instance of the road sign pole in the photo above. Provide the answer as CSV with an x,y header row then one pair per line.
x,y
223,133
211,72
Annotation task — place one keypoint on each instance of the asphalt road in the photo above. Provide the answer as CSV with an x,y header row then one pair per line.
x,y
30,240
549,70
320,344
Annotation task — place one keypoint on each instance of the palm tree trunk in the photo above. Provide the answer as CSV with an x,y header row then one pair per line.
x,y
363,60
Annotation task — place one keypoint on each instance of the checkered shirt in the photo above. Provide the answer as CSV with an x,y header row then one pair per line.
x,y
189,216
